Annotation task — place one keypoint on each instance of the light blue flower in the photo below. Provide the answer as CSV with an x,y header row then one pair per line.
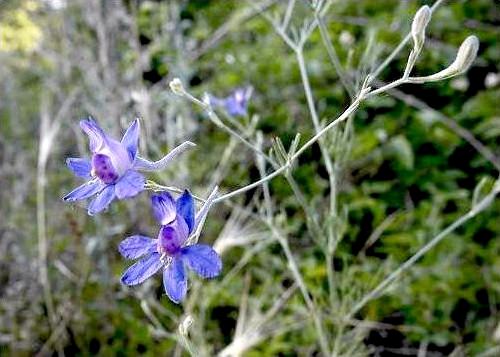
x,y
178,222
236,103
113,170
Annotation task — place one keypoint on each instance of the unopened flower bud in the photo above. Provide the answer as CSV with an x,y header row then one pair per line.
x,y
465,56
418,26
177,87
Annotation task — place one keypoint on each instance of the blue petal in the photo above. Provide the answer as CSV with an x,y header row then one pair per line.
x,y
131,139
202,259
136,246
142,270
84,191
130,184
235,108
163,208
185,209
96,135
175,280
102,201
80,167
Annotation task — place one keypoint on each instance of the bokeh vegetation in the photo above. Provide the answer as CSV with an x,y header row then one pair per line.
x,y
406,176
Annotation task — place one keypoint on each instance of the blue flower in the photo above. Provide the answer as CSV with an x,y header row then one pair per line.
x,y
169,251
236,103
113,170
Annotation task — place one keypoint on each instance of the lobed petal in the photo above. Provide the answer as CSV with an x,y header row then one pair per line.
x,y
185,209
202,259
84,191
142,269
129,185
118,155
80,167
163,208
137,246
104,169
173,236
102,201
175,280
131,139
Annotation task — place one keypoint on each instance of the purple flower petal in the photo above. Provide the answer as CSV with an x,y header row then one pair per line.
x,y
84,191
235,108
172,237
118,154
175,280
203,260
96,135
142,270
131,139
80,167
236,104
163,208
102,200
185,209
129,184
104,169
136,246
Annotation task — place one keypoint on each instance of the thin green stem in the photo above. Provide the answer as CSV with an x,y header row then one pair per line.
x,y
303,289
351,109
214,118
334,58
398,49
380,288
312,220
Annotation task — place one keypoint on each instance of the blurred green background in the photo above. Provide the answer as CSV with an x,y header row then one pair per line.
x,y
407,176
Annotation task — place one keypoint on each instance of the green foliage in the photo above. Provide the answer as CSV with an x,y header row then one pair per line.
x,y
405,171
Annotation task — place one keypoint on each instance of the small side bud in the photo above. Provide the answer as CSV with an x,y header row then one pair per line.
x,y
465,56
418,26
177,87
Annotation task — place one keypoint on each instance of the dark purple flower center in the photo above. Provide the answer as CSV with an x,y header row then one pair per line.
x,y
169,241
103,168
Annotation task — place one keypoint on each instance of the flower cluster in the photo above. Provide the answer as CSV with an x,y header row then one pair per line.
x,y
114,170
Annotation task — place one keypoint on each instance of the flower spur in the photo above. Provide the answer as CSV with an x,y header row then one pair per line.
x,y
113,170
170,249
